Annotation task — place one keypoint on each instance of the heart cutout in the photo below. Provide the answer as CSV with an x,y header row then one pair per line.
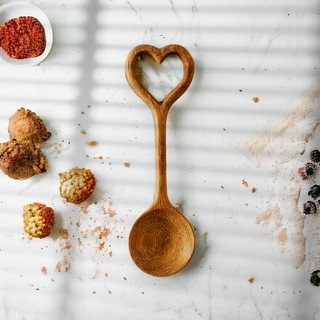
x,y
159,56
159,79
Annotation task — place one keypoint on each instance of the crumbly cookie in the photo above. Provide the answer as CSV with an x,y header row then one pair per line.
x,y
26,125
38,220
76,185
20,159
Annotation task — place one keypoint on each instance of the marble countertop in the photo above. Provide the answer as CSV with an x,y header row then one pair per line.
x,y
235,142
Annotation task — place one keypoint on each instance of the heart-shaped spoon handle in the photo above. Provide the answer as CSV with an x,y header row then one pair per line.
x,y
160,109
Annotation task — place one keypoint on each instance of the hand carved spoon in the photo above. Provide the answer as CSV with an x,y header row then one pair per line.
x,y
161,241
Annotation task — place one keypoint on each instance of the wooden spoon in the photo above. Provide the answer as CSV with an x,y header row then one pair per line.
x,y
161,241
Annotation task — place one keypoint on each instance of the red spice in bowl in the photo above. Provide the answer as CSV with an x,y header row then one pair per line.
x,y
22,38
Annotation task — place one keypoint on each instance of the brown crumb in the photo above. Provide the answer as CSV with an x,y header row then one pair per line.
x,y
255,99
222,187
83,131
127,164
94,292
89,106
64,265
64,233
37,289
87,156
82,112
44,270
110,253
245,183
106,274
254,190
224,129
109,291
92,143
79,124
125,278
250,279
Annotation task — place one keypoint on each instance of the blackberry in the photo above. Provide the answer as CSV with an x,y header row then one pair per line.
x,y
309,208
310,169
315,278
315,156
314,191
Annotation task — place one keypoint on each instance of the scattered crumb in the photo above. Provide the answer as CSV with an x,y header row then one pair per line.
x,y
245,183
109,291
224,129
127,164
44,270
87,156
82,112
89,106
250,279
93,292
255,99
124,278
205,234
142,292
110,253
37,289
254,190
63,266
79,124
222,187
83,131
106,274
92,143
64,233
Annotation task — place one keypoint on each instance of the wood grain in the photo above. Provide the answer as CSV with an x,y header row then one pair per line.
x,y
161,241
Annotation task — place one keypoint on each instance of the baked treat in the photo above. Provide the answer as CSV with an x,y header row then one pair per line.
x,y
22,38
20,159
76,185
38,220
26,125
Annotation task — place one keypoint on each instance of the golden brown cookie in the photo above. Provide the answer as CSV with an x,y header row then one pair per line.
x,y
21,160
38,220
76,185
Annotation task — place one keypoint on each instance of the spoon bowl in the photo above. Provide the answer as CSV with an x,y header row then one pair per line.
x,y
161,241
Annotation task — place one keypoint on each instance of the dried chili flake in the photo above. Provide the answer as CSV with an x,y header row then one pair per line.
x,y
22,38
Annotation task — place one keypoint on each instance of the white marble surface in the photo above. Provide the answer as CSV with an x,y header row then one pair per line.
x,y
221,145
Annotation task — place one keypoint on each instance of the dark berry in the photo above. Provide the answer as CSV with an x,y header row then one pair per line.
x,y
315,278
309,208
310,169
315,156
314,191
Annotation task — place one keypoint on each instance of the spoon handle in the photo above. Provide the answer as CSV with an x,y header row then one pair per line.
x,y
160,109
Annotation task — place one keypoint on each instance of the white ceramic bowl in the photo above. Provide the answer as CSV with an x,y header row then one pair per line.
x,y
15,10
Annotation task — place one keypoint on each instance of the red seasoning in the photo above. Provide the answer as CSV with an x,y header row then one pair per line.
x,y
22,38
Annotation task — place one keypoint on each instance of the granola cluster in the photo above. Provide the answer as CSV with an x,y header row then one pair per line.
x,y
22,38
